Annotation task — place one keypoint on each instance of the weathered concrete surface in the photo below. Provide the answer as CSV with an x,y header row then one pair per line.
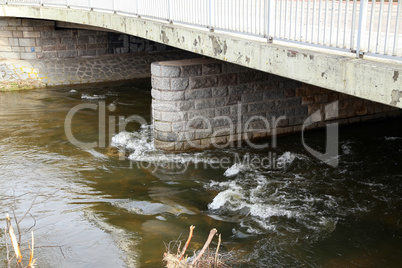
x,y
376,81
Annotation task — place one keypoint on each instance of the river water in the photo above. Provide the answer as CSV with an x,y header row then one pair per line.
x,y
91,207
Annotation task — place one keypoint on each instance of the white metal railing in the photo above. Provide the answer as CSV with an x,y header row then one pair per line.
x,y
362,27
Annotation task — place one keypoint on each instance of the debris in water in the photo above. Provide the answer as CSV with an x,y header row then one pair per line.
x,y
205,257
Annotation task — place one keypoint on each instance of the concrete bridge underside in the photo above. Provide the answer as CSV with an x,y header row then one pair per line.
x,y
374,80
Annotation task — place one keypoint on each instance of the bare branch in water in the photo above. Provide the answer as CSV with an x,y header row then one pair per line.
x,y
188,242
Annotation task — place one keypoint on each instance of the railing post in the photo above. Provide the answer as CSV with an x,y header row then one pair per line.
x,y
210,15
268,19
361,33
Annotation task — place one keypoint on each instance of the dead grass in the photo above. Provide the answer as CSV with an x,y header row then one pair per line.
x,y
20,85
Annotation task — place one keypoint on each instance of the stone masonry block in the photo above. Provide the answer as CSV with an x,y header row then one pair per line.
x,y
234,109
87,52
246,77
203,81
219,91
67,54
207,113
101,39
198,94
204,104
165,106
227,79
82,40
49,48
289,84
255,97
163,126
6,49
156,94
32,22
68,41
17,34
27,42
222,111
185,105
156,69
273,94
178,83
172,95
47,55
211,68
6,34
301,111
241,89
170,71
160,83
4,41
178,126
233,99
266,85
28,34
261,106
28,56
48,41
173,116
191,70
12,22
9,55
202,133
13,41
166,136
287,103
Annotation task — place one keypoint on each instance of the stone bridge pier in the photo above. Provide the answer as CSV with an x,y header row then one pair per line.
x,y
203,103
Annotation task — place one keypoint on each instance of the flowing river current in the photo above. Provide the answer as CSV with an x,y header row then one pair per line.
x,y
94,207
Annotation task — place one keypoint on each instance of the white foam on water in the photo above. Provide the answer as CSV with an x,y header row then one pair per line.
x,y
73,91
346,148
262,201
286,159
96,154
232,197
392,138
93,97
234,170
137,144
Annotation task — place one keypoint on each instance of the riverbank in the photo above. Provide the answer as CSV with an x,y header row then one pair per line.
x,y
20,85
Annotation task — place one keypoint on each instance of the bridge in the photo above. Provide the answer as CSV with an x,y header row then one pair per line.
x,y
305,63
353,47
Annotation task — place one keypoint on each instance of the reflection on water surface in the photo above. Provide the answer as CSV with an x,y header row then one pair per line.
x,y
94,210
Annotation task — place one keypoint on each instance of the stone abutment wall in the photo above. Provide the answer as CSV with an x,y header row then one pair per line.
x,y
202,103
39,52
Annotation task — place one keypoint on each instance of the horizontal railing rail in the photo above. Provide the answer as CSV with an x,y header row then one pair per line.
x,y
364,27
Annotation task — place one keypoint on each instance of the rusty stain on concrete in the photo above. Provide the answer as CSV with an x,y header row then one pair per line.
x,y
215,45
396,75
164,37
395,96
292,53
225,47
247,60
